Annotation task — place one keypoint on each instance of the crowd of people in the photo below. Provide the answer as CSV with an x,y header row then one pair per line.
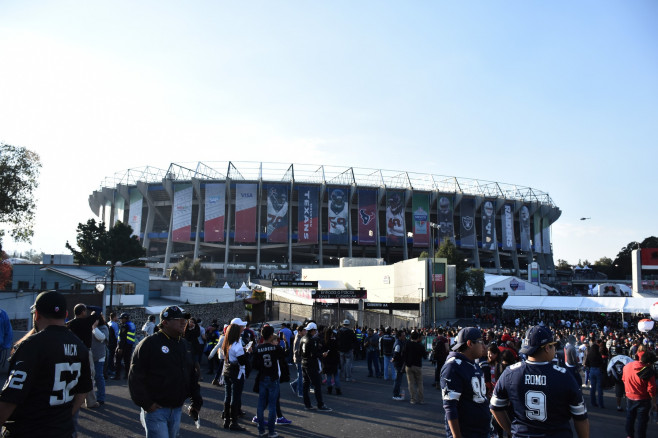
x,y
522,377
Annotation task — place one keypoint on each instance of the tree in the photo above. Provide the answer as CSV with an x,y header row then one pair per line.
x,y
192,270
562,265
5,270
19,173
98,246
449,251
476,281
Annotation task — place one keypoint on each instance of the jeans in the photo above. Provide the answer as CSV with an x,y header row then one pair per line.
x,y
373,358
162,423
336,380
596,378
397,383
233,393
346,359
312,376
297,384
637,409
267,396
90,400
388,366
100,381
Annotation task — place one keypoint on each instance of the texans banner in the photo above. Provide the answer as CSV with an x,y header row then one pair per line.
x,y
245,212
395,226
546,236
488,226
337,215
277,213
215,207
367,217
307,214
537,243
509,240
467,225
524,226
445,219
182,220
420,213
135,212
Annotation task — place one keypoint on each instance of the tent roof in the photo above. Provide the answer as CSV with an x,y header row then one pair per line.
x,y
584,304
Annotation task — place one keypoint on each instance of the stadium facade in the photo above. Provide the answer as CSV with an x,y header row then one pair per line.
x,y
262,218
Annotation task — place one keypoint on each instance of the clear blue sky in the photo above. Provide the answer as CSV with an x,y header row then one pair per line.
x,y
560,96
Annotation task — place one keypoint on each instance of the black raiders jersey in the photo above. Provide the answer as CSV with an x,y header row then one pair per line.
x,y
543,397
46,371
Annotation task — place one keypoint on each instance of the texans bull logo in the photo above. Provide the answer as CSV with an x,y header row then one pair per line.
x,y
366,216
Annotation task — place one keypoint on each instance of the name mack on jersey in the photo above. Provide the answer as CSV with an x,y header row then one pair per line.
x,y
70,349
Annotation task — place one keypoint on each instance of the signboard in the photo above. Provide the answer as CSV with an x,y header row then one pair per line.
x,y
299,284
342,306
439,285
328,294
390,306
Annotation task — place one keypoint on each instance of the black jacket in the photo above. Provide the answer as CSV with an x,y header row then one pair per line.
x,y
311,352
163,370
346,339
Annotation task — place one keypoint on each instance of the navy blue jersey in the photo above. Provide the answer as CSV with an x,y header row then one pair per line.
x,y
464,396
543,397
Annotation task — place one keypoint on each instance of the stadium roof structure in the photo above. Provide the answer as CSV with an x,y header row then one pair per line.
x,y
325,174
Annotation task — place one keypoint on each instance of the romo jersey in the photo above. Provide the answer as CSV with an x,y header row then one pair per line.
x,y
464,396
543,398
45,373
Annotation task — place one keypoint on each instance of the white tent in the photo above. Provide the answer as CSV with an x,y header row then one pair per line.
x,y
639,305
583,304
226,286
503,284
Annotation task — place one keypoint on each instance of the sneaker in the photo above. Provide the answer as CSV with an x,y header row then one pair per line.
x,y
325,408
310,408
273,435
398,398
283,421
263,435
255,420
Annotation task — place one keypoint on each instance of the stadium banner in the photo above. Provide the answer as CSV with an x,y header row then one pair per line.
x,y
367,217
420,206
537,242
213,225
337,215
135,212
509,240
467,224
546,235
119,208
246,200
649,258
395,226
439,272
182,220
307,214
445,218
277,213
488,225
524,226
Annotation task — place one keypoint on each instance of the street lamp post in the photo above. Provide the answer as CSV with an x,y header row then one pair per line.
x,y
420,307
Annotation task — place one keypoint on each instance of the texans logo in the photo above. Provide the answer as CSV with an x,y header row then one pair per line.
x,y
366,217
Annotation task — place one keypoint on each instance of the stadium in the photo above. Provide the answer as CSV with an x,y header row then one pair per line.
x,y
263,219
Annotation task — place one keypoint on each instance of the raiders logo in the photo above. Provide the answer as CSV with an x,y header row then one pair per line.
x,y
467,222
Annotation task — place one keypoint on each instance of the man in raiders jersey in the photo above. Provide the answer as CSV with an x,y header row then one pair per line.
x,y
49,376
269,360
543,396
463,388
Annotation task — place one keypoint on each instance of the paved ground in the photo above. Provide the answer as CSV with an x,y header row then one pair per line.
x,y
364,410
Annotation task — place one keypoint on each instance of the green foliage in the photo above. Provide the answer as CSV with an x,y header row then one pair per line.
x,y
562,265
475,280
98,246
189,270
449,251
19,173
5,271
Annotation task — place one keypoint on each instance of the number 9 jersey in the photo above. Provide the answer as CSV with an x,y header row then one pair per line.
x,y
543,398
45,373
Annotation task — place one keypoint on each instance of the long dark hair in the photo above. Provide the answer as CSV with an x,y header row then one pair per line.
x,y
232,336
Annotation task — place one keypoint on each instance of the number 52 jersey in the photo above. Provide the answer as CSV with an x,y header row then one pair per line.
x,y
543,398
45,373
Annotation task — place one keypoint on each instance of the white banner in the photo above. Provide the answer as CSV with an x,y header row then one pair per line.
x,y
135,212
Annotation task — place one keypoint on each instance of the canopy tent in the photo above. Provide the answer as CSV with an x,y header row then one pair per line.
x,y
582,304
503,284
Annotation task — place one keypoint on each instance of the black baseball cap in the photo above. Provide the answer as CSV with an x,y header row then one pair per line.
x,y
51,304
535,338
171,312
465,335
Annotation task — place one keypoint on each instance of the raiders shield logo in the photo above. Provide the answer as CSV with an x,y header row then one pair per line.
x,y
467,222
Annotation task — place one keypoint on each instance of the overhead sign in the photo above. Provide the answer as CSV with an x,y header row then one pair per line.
x,y
291,283
339,294
390,306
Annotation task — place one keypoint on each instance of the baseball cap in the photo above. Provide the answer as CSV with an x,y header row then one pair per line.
x,y
346,322
239,321
171,312
124,315
467,334
311,326
51,304
506,337
535,338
